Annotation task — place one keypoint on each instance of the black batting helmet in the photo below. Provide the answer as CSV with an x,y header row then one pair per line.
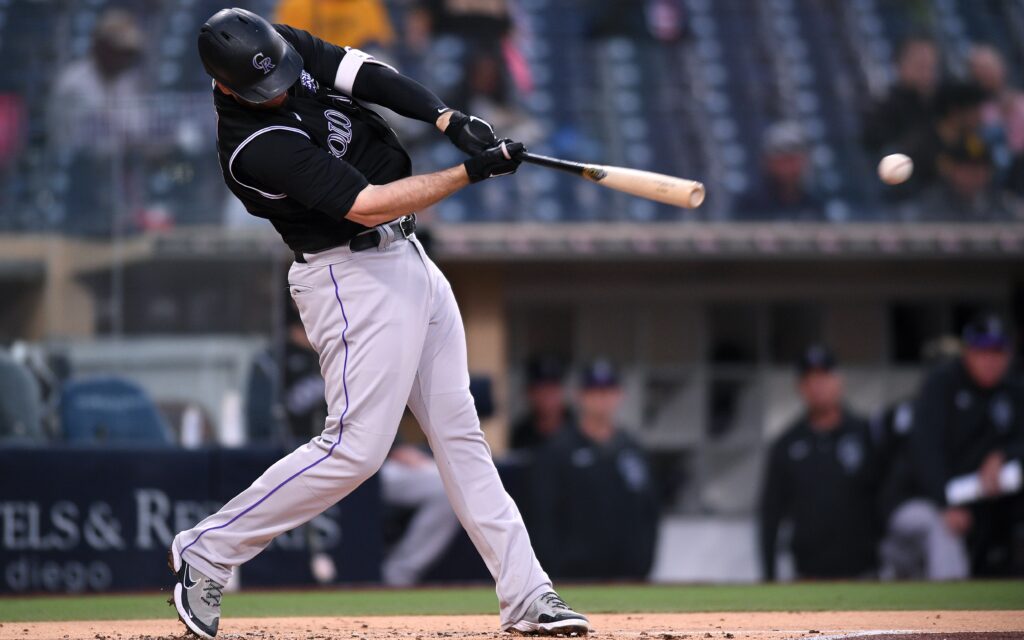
x,y
246,54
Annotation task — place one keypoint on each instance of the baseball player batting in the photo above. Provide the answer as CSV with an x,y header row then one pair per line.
x,y
298,147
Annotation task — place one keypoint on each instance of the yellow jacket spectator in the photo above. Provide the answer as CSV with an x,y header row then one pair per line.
x,y
353,23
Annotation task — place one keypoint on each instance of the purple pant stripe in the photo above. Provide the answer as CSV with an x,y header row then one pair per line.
x,y
341,426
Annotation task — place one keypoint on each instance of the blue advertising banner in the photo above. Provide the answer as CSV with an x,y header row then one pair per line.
x,y
87,519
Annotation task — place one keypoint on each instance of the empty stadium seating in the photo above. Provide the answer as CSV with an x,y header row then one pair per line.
x,y
110,410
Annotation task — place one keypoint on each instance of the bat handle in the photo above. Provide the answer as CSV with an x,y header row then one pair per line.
x,y
577,168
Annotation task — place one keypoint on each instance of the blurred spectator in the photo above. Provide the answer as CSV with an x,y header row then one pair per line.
x,y
821,478
409,477
594,511
346,23
1005,108
969,419
485,94
95,100
784,188
96,125
484,28
12,131
953,133
965,190
548,413
909,106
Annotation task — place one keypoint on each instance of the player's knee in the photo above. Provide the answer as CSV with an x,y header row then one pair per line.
x,y
370,464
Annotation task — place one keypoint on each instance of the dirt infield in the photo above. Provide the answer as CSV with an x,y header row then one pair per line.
x,y
689,626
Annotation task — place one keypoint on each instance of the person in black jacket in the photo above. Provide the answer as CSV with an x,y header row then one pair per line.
x,y
917,544
821,477
594,512
969,419
909,105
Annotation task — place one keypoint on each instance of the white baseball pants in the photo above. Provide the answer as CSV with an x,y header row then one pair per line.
x,y
389,333
918,532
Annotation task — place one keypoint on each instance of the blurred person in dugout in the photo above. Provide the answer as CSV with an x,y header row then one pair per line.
x,y
784,189
821,479
94,113
548,413
409,477
594,507
963,512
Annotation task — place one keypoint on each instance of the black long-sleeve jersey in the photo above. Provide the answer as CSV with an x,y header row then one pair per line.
x,y
594,508
957,424
825,484
302,165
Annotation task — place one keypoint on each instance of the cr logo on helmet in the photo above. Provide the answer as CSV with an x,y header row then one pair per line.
x,y
261,61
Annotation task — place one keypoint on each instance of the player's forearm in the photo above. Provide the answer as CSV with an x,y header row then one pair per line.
x,y
377,204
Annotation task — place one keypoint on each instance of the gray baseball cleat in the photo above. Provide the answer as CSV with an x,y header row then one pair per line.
x,y
196,597
549,615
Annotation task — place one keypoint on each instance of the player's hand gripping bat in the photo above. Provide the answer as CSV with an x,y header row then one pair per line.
x,y
688,194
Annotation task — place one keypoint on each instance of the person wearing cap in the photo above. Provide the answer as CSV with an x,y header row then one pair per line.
x,y
96,99
594,507
821,477
969,419
548,413
784,190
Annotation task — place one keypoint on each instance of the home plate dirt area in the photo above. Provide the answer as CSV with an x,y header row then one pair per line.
x,y
882,625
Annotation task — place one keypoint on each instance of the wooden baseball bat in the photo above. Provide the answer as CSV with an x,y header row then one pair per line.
x,y
679,192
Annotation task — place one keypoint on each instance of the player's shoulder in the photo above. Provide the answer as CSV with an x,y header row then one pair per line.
x,y
288,32
790,445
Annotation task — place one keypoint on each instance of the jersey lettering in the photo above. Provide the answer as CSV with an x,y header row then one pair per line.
x,y
340,136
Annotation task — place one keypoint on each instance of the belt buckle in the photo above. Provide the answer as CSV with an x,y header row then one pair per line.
x,y
407,225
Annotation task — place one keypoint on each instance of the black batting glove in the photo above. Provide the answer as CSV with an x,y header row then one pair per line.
x,y
470,134
500,160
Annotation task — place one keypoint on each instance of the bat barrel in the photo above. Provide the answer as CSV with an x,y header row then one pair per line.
x,y
678,192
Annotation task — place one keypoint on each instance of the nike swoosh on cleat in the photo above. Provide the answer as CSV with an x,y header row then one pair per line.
x,y
187,578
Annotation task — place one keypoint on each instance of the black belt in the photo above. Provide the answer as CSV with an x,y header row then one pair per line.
x,y
375,237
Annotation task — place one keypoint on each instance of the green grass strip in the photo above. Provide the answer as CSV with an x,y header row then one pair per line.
x,y
592,599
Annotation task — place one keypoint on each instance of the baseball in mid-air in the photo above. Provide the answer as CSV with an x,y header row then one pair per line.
x,y
895,168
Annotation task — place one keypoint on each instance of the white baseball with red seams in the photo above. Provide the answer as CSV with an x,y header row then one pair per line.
x,y
389,334
895,168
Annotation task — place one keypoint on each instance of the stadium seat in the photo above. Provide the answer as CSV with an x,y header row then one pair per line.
x,y
20,404
105,410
